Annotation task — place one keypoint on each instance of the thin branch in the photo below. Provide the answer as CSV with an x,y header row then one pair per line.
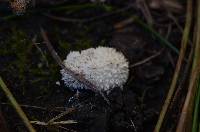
x,y
37,107
54,123
149,29
86,20
70,110
66,129
39,49
146,59
145,10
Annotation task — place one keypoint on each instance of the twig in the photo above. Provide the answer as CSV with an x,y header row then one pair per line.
x,y
171,59
54,123
61,115
146,59
145,10
16,106
39,49
66,129
137,20
63,122
171,16
75,7
64,19
85,20
36,107
169,5
168,31
75,75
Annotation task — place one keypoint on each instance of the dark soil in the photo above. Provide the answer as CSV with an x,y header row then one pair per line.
x,y
32,74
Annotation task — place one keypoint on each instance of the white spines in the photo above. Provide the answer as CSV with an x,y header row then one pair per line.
x,y
104,67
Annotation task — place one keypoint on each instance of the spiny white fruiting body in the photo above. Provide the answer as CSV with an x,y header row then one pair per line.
x,y
104,67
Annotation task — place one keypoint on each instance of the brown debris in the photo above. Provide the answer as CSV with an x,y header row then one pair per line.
x,y
169,5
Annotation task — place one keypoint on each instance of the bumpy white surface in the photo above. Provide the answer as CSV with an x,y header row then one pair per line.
x,y
104,67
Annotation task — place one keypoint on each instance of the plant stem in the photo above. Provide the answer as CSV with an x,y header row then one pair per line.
x,y
16,106
196,109
178,67
185,121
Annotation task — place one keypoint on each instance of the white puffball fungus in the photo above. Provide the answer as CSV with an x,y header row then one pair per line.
x,y
104,67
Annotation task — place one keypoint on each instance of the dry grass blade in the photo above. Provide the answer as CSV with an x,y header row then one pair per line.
x,y
196,121
184,124
185,121
146,59
178,67
61,115
16,106
63,122
147,28
142,4
183,80
54,123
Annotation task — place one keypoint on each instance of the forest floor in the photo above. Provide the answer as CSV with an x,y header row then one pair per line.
x,y
34,78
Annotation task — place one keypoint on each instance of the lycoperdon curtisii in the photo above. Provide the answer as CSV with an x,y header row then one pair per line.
x,y
104,67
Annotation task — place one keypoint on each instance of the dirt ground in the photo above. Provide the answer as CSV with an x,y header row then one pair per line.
x,y
33,75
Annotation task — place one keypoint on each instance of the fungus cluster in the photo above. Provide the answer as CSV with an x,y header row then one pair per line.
x,y
104,67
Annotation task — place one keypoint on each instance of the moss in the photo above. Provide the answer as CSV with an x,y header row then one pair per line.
x,y
18,46
27,65
83,40
83,43
64,47
34,72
